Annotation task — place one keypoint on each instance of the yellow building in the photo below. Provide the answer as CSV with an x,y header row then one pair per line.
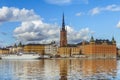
x,y
64,51
4,51
37,48
69,51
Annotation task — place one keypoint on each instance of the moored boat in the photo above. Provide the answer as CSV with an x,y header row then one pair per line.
x,y
20,56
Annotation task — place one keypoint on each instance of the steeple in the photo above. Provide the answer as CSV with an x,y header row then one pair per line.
x,y
15,45
63,23
92,39
113,40
63,34
20,44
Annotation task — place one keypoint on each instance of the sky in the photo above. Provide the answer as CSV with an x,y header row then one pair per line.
x,y
39,21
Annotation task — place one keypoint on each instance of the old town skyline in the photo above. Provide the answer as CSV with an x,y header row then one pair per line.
x,y
37,26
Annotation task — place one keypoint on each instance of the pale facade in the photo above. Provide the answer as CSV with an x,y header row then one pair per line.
x,y
51,49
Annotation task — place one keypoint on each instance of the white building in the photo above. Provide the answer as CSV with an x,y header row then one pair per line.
x,y
51,49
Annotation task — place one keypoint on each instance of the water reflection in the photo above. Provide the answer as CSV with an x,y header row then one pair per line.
x,y
87,69
59,69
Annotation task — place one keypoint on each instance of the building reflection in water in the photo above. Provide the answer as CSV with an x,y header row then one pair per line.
x,y
99,68
64,64
76,69
59,69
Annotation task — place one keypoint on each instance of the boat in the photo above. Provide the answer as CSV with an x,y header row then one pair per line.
x,y
21,56
46,56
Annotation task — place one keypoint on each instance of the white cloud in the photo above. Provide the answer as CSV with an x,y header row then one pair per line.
x,y
76,36
112,8
38,31
78,14
15,14
97,10
33,29
118,25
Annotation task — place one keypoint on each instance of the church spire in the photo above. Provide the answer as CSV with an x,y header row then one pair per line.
x,y
63,23
63,34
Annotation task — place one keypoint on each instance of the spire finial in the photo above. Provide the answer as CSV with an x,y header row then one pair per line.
x,y
113,40
63,22
92,39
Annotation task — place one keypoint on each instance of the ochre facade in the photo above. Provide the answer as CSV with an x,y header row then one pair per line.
x,y
4,51
93,48
37,48
99,48
102,50
64,51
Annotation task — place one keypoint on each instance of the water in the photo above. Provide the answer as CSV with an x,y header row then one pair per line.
x,y
60,69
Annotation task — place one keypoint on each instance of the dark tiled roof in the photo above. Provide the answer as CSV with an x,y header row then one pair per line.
x,y
71,45
100,41
35,44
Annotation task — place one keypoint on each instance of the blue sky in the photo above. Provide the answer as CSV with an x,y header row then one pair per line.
x,y
39,21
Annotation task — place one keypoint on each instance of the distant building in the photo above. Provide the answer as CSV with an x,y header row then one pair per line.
x,y
4,51
94,48
20,48
99,48
64,51
16,48
35,48
51,49
118,52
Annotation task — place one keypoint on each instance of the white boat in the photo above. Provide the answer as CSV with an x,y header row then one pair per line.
x,y
20,56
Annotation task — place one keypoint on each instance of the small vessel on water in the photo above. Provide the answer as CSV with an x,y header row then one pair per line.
x,y
21,56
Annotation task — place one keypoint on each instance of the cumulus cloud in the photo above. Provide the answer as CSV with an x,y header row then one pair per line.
x,y
16,14
77,36
97,10
38,31
33,29
118,25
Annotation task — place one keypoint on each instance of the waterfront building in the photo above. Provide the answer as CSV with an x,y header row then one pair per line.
x,y
34,48
99,48
64,51
16,48
69,51
4,51
118,52
20,48
51,49
94,48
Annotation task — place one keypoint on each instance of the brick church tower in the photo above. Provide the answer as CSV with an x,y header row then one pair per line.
x,y
63,34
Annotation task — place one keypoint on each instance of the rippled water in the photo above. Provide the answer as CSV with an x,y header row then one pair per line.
x,y
60,69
